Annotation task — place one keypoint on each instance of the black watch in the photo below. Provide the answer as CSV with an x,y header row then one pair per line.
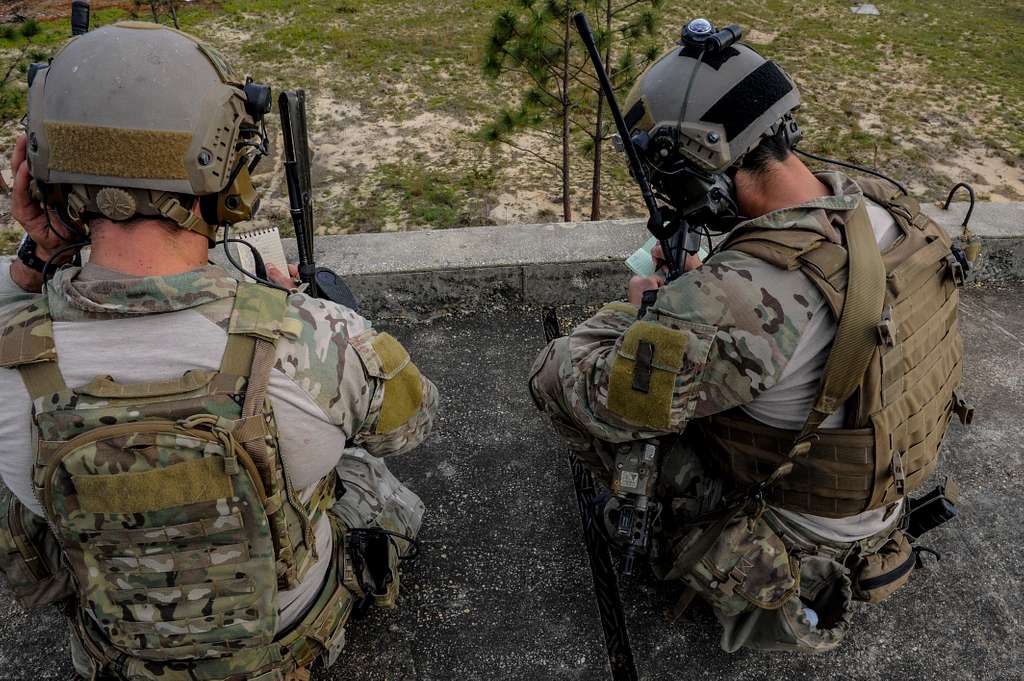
x,y
27,254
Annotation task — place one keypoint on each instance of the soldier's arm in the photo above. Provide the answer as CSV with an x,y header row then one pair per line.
x,y
364,381
713,341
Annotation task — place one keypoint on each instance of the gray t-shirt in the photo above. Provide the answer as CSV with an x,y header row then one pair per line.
x,y
786,404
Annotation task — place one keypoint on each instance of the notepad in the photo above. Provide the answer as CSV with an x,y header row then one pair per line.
x,y
267,241
642,263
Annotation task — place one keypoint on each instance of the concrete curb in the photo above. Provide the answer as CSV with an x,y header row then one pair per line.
x,y
412,273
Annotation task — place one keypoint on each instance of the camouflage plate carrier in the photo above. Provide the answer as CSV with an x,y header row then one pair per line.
x,y
173,511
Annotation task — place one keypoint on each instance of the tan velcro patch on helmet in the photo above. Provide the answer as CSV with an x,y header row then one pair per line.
x,y
118,152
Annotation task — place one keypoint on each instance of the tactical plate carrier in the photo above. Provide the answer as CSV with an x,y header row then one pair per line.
x,y
901,407
173,511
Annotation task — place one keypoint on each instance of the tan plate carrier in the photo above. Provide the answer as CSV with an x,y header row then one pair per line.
x,y
895,363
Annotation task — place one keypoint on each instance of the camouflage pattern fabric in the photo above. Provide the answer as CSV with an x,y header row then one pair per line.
x,y
174,554
740,336
315,335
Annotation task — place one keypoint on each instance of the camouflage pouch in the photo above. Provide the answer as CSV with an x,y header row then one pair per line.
x,y
813,621
30,557
879,574
747,566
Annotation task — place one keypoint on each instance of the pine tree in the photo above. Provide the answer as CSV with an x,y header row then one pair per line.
x,y
536,43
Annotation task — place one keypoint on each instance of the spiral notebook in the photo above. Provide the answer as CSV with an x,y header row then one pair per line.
x,y
267,241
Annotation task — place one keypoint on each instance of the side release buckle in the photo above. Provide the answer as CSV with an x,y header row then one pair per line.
x,y
964,411
887,328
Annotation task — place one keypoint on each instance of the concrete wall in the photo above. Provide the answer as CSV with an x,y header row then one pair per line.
x,y
417,273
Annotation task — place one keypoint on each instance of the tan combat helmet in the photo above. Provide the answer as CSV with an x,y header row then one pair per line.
x,y
707,104
136,119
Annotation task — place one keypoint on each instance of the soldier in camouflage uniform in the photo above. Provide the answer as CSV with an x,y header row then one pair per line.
x,y
784,497
252,422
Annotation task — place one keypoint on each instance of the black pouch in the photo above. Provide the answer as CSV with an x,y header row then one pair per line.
x,y
30,557
933,509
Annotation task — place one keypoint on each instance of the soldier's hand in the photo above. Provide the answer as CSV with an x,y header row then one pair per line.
x,y
637,286
288,281
691,262
27,211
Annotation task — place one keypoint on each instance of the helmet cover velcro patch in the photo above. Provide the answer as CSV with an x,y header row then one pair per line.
x,y
118,152
749,99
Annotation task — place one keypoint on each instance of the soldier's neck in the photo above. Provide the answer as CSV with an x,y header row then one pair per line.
x,y
787,183
146,248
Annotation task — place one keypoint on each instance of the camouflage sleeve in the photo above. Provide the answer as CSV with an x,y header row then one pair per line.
x,y
12,296
403,401
363,380
714,340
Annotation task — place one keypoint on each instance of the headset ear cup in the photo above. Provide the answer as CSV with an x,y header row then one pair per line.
x,y
209,208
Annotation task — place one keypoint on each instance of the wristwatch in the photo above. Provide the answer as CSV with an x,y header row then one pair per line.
x,y
27,254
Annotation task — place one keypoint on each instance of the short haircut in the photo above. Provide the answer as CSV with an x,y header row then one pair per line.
x,y
772,149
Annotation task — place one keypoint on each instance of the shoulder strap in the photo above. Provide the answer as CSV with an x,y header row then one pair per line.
x,y
855,339
780,247
257,314
250,352
26,344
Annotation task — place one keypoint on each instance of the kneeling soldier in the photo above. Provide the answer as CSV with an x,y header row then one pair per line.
x,y
767,413
195,462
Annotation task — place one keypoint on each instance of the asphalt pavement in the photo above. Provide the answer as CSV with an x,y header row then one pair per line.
x,y
503,591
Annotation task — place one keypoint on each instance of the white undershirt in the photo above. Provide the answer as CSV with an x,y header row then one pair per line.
x,y
787,403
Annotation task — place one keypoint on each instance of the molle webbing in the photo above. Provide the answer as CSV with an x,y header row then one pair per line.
x,y
165,491
834,479
118,152
903,399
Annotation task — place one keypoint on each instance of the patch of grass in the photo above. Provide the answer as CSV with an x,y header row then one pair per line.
x,y
436,198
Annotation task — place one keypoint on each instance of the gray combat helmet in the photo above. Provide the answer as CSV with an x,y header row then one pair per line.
x,y
709,106
134,119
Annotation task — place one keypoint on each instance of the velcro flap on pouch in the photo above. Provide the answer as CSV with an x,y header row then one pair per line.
x,y
185,483
643,374
106,386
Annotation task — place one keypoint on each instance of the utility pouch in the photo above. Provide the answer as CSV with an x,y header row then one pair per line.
x,y
933,509
30,557
879,574
374,559
813,621
747,566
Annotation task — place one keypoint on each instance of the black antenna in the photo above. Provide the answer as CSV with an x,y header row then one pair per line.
x,y
292,107
79,17
655,223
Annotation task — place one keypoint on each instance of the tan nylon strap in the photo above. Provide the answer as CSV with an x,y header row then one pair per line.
x,y
238,355
250,428
42,379
856,337
172,209
256,395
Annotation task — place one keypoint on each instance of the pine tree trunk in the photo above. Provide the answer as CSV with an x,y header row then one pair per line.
x,y
156,14
174,14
